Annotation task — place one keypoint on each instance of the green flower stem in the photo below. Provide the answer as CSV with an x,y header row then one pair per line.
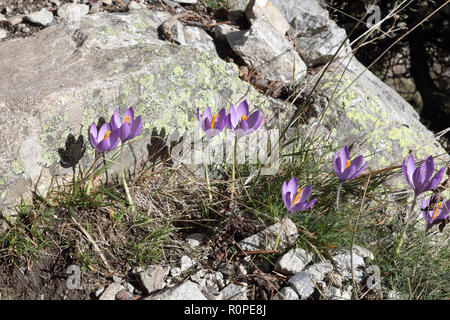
x,y
277,240
338,193
402,235
91,179
208,183
233,170
124,180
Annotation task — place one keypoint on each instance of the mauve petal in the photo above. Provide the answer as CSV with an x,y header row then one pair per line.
x,y
222,113
426,202
360,170
310,204
206,124
287,200
220,123
405,173
125,131
228,122
283,188
207,114
349,173
446,207
198,115
101,133
337,165
253,119
116,122
292,187
242,109
93,140
343,156
305,194
136,128
129,113
93,130
435,181
243,129
357,162
427,217
429,168
416,180
234,119
411,167
113,139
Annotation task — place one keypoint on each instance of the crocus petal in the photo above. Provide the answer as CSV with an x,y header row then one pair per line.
x,y
207,114
124,132
360,170
426,202
242,129
337,166
136,128
411,167
234,119
349,173
344,155
253,120
305,194
417,177
198,115
405,173
129,113
116,122
102,132
287,200
242,109
292,187
435,181
309,204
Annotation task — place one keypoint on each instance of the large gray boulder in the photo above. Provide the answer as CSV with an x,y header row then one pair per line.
x,y
65,77
360,109
317,37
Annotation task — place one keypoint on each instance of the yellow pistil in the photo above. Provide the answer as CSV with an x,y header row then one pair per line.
x,y
297,197
106,135
214,120
347,164
126,120
437,210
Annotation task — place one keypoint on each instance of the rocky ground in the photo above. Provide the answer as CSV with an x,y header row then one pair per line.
x,y
238,262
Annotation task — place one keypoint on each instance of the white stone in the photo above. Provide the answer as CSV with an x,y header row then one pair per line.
x,y
287,293
343,265
185,291
3,34
111,291
175,272
73,12
195,239
265,239
303,283
43,17
262,48
186,263
294,261
234,292
263,8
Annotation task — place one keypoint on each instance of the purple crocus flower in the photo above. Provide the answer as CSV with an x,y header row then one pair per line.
x,y
436,216
212,125
240,122
345,168
295,198
420,178
128,126
104,139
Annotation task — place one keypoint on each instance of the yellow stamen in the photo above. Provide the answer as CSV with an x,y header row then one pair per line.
x,y
347,164
437,210
214,120
126,120
243,118
297,197
106,135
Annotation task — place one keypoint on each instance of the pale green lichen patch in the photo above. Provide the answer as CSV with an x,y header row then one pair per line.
x,y
18,167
